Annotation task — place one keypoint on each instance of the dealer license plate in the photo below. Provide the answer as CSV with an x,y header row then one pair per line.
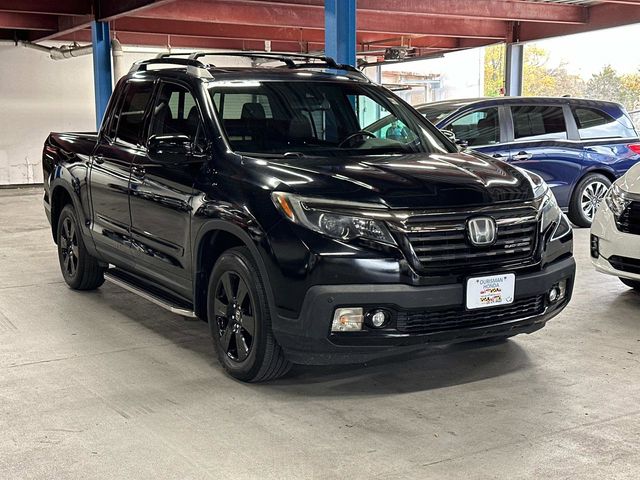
x,y
490,291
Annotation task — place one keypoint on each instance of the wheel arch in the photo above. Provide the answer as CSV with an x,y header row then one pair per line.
x,y
610,174
60,196
212,241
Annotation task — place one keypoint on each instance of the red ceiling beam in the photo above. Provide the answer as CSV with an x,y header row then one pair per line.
x,y
261,33
305,16
605,15
179,41
112,9
47,7
25,21
487,9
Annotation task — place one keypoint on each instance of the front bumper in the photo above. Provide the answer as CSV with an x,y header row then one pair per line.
x,y
614,243
308,339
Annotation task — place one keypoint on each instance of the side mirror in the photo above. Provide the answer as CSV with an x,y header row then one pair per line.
x,y
174,148
453,139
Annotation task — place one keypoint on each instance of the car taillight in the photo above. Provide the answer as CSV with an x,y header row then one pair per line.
x,y
634,147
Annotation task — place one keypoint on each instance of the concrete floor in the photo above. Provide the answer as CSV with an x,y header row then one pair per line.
x,y
106,385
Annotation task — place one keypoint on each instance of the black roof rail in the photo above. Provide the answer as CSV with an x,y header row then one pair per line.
x,y
304,60
194,66
288,59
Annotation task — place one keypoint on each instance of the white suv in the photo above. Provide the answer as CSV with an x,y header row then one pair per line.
x,y
615,232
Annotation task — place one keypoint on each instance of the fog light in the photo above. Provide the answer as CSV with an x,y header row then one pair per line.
x,y
595,246
347,320
553,294
377,318
562,289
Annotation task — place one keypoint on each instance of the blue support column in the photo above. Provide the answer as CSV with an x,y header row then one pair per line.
x,y
513,70
102,83
340,30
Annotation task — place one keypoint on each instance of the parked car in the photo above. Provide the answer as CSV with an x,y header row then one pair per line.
x,y
577,146
252,198
615,233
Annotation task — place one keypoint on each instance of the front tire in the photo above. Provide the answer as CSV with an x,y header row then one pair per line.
x,y
240,322
635,284
586,198
79,269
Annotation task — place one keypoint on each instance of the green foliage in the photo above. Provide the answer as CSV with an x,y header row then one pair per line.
x,y
539,79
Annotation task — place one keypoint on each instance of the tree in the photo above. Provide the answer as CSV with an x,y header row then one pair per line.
x,y
538,78
494,70
605,85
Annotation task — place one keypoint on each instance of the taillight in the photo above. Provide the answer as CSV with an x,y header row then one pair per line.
x,y
634,147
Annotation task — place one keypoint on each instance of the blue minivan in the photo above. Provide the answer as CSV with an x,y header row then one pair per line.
x,y
578,146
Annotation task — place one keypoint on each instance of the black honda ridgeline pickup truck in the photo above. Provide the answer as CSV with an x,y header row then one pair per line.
x,y
260,200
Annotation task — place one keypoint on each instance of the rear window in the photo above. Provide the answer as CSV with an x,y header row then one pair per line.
x,y
593,123
539,122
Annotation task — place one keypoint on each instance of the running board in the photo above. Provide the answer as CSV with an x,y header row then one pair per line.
x,y
127,282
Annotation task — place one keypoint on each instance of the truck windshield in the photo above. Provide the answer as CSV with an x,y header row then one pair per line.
x,y
320,119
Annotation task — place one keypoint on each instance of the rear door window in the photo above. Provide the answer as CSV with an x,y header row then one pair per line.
x,y
480,127
593,123
538,122
132,113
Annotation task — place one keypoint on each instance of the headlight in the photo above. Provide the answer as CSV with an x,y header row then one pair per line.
x,y
617,200
552,216
319,217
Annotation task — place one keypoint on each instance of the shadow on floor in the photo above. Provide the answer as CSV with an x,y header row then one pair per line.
x,y
425,369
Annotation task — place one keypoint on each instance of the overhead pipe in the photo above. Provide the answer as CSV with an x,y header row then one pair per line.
x,y
60,53
117,54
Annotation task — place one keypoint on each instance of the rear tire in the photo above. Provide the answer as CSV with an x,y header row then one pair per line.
x,y
635,284
79,269
240,321
586,198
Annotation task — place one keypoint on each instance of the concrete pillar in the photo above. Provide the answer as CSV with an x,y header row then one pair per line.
x,y
340,30
513,70
102,82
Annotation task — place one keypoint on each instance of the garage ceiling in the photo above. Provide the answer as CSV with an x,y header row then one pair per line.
x,y
434,26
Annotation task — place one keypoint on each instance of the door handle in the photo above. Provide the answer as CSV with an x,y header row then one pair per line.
x,y
138,171
498,156
99,159
522,156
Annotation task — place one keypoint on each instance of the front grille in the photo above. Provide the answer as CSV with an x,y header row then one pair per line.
x,y
459,318
629,221
441,243
625,264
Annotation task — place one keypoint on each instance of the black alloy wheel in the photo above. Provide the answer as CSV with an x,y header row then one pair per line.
x,y
69,247
234,309
79,269
240,319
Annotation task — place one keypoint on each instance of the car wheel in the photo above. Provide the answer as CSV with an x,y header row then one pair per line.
x,y
240,322
635,284
586,198
79,269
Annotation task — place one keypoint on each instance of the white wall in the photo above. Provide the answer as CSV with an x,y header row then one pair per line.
x,y
39,95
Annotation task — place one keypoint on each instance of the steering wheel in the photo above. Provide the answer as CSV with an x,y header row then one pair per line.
x,y
359,133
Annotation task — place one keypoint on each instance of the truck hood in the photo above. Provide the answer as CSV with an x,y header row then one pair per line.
x,y
399,181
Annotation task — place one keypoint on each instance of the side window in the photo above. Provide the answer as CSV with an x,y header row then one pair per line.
x,y
175,112
480,127
538,122
593,123
370,111
132,112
